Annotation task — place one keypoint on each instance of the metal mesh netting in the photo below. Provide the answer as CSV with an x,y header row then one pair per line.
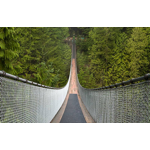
x,y
126,104
21,102
121,105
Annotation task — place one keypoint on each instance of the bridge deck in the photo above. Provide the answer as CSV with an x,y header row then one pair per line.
x,y
73,113
73,110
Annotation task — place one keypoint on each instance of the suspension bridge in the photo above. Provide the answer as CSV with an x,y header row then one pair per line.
x,y
25,101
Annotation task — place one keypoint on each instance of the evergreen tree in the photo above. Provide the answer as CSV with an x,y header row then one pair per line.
x,y
119,70
41,55
136,49
8,49
114,55
146,67
101,52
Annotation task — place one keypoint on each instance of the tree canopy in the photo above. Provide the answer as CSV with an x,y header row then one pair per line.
x,y
109,55
105,55
36,53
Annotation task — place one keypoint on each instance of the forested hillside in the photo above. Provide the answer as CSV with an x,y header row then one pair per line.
x,y
105,55
108,55
38,54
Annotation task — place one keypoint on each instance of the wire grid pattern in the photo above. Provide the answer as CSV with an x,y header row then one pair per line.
x,y
25,103
126,104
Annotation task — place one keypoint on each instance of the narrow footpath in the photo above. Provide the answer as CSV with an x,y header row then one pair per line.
x,y
73,113
73,110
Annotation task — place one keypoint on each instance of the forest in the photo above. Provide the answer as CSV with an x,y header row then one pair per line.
x,y
37,54
109,55
105,55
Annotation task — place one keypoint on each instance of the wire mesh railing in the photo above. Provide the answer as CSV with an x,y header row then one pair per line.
x,y
31,51
126,102
23,101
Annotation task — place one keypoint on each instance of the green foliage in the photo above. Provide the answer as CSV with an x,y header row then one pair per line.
x,y
8,49
119,70
36,53
84,72
136,49
113,55
105,55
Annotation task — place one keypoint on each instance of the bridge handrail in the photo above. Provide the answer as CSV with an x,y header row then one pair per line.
x,y
22,100
123,83
7,75
118,103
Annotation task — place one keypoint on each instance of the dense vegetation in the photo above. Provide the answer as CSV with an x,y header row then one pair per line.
x,y
105,55
108,55
38,54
